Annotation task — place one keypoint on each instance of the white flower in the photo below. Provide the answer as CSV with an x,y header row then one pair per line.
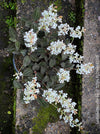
x,y
30,39
33,48
77,33
65,119
73,104
50,95
18,75
63,29
67,109
76,120
61,92
70,49
59,109
60,116
84,68
56,47
31,90
49,19
63,75
75,58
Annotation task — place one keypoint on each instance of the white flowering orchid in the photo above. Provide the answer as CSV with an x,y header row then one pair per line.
x,y
63,75
56,47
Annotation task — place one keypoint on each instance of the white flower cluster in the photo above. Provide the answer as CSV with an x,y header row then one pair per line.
x,y
67,109
31,90
30,38
77,33
76,58
63,75
18,75
84,68
49,19
50,95
70,49
63,29
56,47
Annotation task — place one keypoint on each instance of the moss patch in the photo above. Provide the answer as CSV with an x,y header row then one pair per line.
x,y
45,115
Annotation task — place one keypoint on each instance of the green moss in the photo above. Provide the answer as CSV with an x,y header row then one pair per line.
x,y
14,112
23,1
25,132
72,16
45,115
32,0
10,5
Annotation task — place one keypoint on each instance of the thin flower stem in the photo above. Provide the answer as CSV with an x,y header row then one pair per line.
x,y
20,68
72,40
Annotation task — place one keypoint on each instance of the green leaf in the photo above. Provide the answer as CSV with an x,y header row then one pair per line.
x,y
49,84
27,23
54,35
12,39
16,52
35,67
34,57
64,56
69,65
43,64
42,102
29,78
23,52
44,42
46,78
28,72
11,48
43,70
17,45
35,27
63,64
54,78
39,76
40,50
36,14
17,84
59,86
26,61
46,59
52,62
12,34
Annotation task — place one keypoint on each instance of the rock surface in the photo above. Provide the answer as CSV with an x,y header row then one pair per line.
x,y
91,89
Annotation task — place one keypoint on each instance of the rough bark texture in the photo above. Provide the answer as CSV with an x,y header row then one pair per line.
x,y
91,89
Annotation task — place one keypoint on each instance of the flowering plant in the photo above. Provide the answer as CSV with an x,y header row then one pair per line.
x,y
47,61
